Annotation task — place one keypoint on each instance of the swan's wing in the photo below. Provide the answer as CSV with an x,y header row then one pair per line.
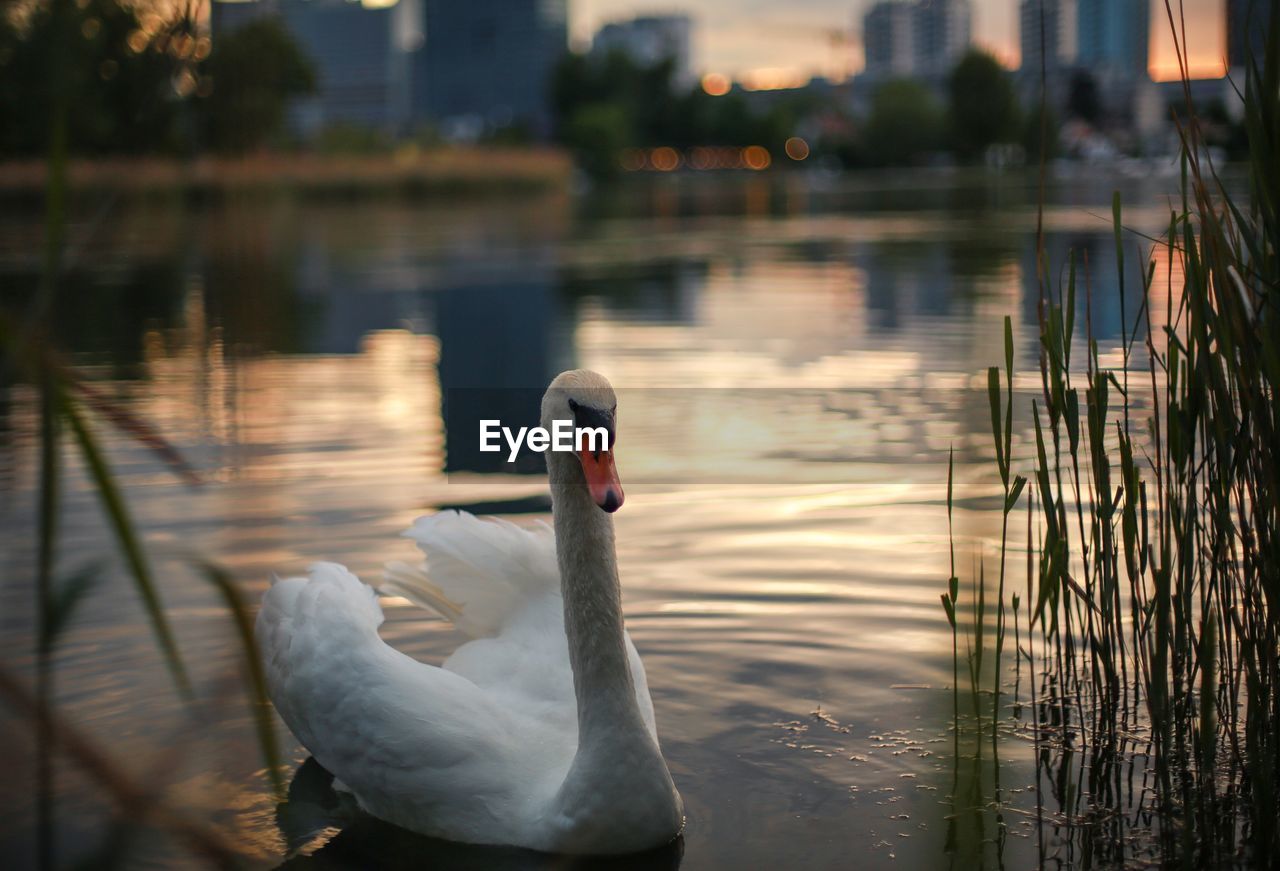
x,y
481,575
641,681
500,584
411,741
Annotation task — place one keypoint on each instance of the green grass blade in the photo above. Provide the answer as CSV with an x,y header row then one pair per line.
x,y
66,595
259,703
1014,492
949,608
993,400
128,540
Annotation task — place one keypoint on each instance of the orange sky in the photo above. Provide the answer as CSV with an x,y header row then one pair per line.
x,y
1206,40
736,37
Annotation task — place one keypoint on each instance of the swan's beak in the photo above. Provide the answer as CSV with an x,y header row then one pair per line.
x,y
602,479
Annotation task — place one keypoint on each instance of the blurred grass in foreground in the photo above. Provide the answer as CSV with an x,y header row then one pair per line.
x,y
66,405
1149,623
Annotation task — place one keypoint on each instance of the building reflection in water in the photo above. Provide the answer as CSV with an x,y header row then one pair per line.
x,y
501,342
307,364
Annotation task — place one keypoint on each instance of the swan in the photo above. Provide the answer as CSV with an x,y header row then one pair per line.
x,y
538,732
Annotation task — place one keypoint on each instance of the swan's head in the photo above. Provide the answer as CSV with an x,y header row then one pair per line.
x,y
587,400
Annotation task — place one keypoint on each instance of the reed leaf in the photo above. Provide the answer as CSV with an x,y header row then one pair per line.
x,y
66,595
259,703
993,401
130,545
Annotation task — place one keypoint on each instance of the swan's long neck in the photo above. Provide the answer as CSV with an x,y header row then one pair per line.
x,y
607,707
617,791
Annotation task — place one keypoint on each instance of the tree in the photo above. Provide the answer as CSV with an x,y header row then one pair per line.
x,y
905,123
1031,130
132,84
983,105
123,83
604,104
645,95
256,70
1083,101
597,133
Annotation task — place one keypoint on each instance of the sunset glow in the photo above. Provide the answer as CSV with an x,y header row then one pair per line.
x,y
741,39
1206,41
716,84
774,78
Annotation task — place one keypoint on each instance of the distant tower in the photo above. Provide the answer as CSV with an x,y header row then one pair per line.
x,y
888,35
923,40
1061,45
487,65
942,34
1114,36
360,54
1247,24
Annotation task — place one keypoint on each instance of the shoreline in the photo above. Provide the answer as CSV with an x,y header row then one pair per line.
x,y
404,173
448,176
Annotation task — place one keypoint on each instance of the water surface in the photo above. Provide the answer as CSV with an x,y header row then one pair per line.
x,y
794,359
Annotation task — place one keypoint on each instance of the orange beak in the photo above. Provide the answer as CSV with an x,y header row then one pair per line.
x,y
602,479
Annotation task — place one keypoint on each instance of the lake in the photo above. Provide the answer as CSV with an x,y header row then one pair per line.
x,y
794,356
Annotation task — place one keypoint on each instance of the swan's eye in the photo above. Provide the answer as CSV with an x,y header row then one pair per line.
x,y
594,418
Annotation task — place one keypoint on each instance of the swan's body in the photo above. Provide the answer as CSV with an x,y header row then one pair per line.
x,y
538,732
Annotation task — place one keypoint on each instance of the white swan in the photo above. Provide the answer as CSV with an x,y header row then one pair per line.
x,y
537,733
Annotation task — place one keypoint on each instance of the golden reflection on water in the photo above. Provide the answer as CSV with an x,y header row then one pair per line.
x,y
784,425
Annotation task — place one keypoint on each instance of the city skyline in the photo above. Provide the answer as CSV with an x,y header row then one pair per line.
x,y
756,39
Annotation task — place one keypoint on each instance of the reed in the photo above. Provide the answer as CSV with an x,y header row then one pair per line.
x,y
67,405
1152,606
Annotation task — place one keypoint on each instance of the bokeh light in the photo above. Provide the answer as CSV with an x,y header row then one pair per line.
x,y
664,159
631,159
756,157
796,148
716,84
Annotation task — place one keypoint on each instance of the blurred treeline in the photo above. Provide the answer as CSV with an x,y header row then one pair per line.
x,y
604,105
143,76
119,77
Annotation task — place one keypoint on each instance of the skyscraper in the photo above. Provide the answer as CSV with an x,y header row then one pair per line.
x,y
1061,45
1247,23
360,55
1114,36
487,65
889,40
922,39
942,31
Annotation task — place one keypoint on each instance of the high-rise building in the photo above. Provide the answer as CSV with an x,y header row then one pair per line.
x,y
1247,24
487,65
922,39
360,55
649,40
1114,36
889,40
468,67
942,32
1060,42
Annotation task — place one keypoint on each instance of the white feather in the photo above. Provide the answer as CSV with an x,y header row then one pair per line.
x,y
475,750
528,735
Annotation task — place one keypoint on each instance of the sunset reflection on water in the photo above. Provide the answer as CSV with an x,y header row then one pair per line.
x,y
790,380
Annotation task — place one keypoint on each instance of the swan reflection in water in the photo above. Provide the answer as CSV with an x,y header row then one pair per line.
x,y
314,810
